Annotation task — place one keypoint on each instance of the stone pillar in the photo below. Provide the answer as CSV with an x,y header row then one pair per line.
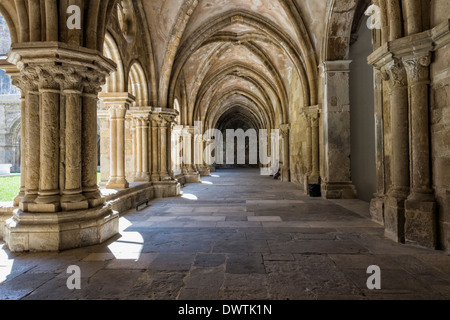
x,y
398,192
32,138
312,157
176,145
60,130
162,174
72,195
48,199
420,207
189,169
140,119
336,178
117,104
285,168
92,86
155,119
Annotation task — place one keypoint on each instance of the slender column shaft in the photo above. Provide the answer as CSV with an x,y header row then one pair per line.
x,y
145,168
155,165
113,149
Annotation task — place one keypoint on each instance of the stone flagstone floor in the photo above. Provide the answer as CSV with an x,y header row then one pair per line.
x,y
237,235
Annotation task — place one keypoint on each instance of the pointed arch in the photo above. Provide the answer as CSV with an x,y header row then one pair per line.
x,y
138,84
116,81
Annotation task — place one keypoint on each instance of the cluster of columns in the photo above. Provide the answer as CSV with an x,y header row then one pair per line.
x,y
59,134
409,208
151,129
59,131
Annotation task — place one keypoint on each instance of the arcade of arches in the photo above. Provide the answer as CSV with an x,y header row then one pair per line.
x,y
361,113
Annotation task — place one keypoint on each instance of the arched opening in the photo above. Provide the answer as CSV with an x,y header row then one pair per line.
x,y
10,117
362,111
115,83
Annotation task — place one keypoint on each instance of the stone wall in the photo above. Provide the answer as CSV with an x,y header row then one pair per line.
x,y
440,124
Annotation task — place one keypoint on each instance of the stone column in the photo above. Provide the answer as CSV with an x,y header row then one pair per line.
x,y
315,174
72,193
117,104
155,120
145,149
336,179
32,137
188,168
165,142
398,192
59,122
48,199
176,145
420,207
92,86
140,118
312,118
285,168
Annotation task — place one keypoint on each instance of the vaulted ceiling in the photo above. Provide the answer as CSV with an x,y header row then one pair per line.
x,y
227,57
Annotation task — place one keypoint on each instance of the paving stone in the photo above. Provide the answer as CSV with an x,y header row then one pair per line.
x,y
245,287
241,246
172,262
209,260
211,249
245,264
23,285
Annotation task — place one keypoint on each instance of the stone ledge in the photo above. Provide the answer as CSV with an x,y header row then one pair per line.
x,y
6,212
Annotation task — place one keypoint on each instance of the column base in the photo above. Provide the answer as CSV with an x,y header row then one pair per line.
x,y
204,172
394,218
74,202
144,177
118,184
338,190
60,231
94,198
192,178
421,223
377,210
46,203
26,201
18,198
167,189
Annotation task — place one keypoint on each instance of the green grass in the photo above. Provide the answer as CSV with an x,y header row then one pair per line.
x,y
10,186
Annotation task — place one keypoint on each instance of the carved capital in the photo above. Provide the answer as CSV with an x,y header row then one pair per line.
x,y
396,72
50,77
93,81
417,68
29,78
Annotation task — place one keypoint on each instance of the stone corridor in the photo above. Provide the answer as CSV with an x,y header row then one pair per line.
x,y
237,235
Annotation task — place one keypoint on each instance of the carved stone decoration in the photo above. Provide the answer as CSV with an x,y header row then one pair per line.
x,y
397,73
